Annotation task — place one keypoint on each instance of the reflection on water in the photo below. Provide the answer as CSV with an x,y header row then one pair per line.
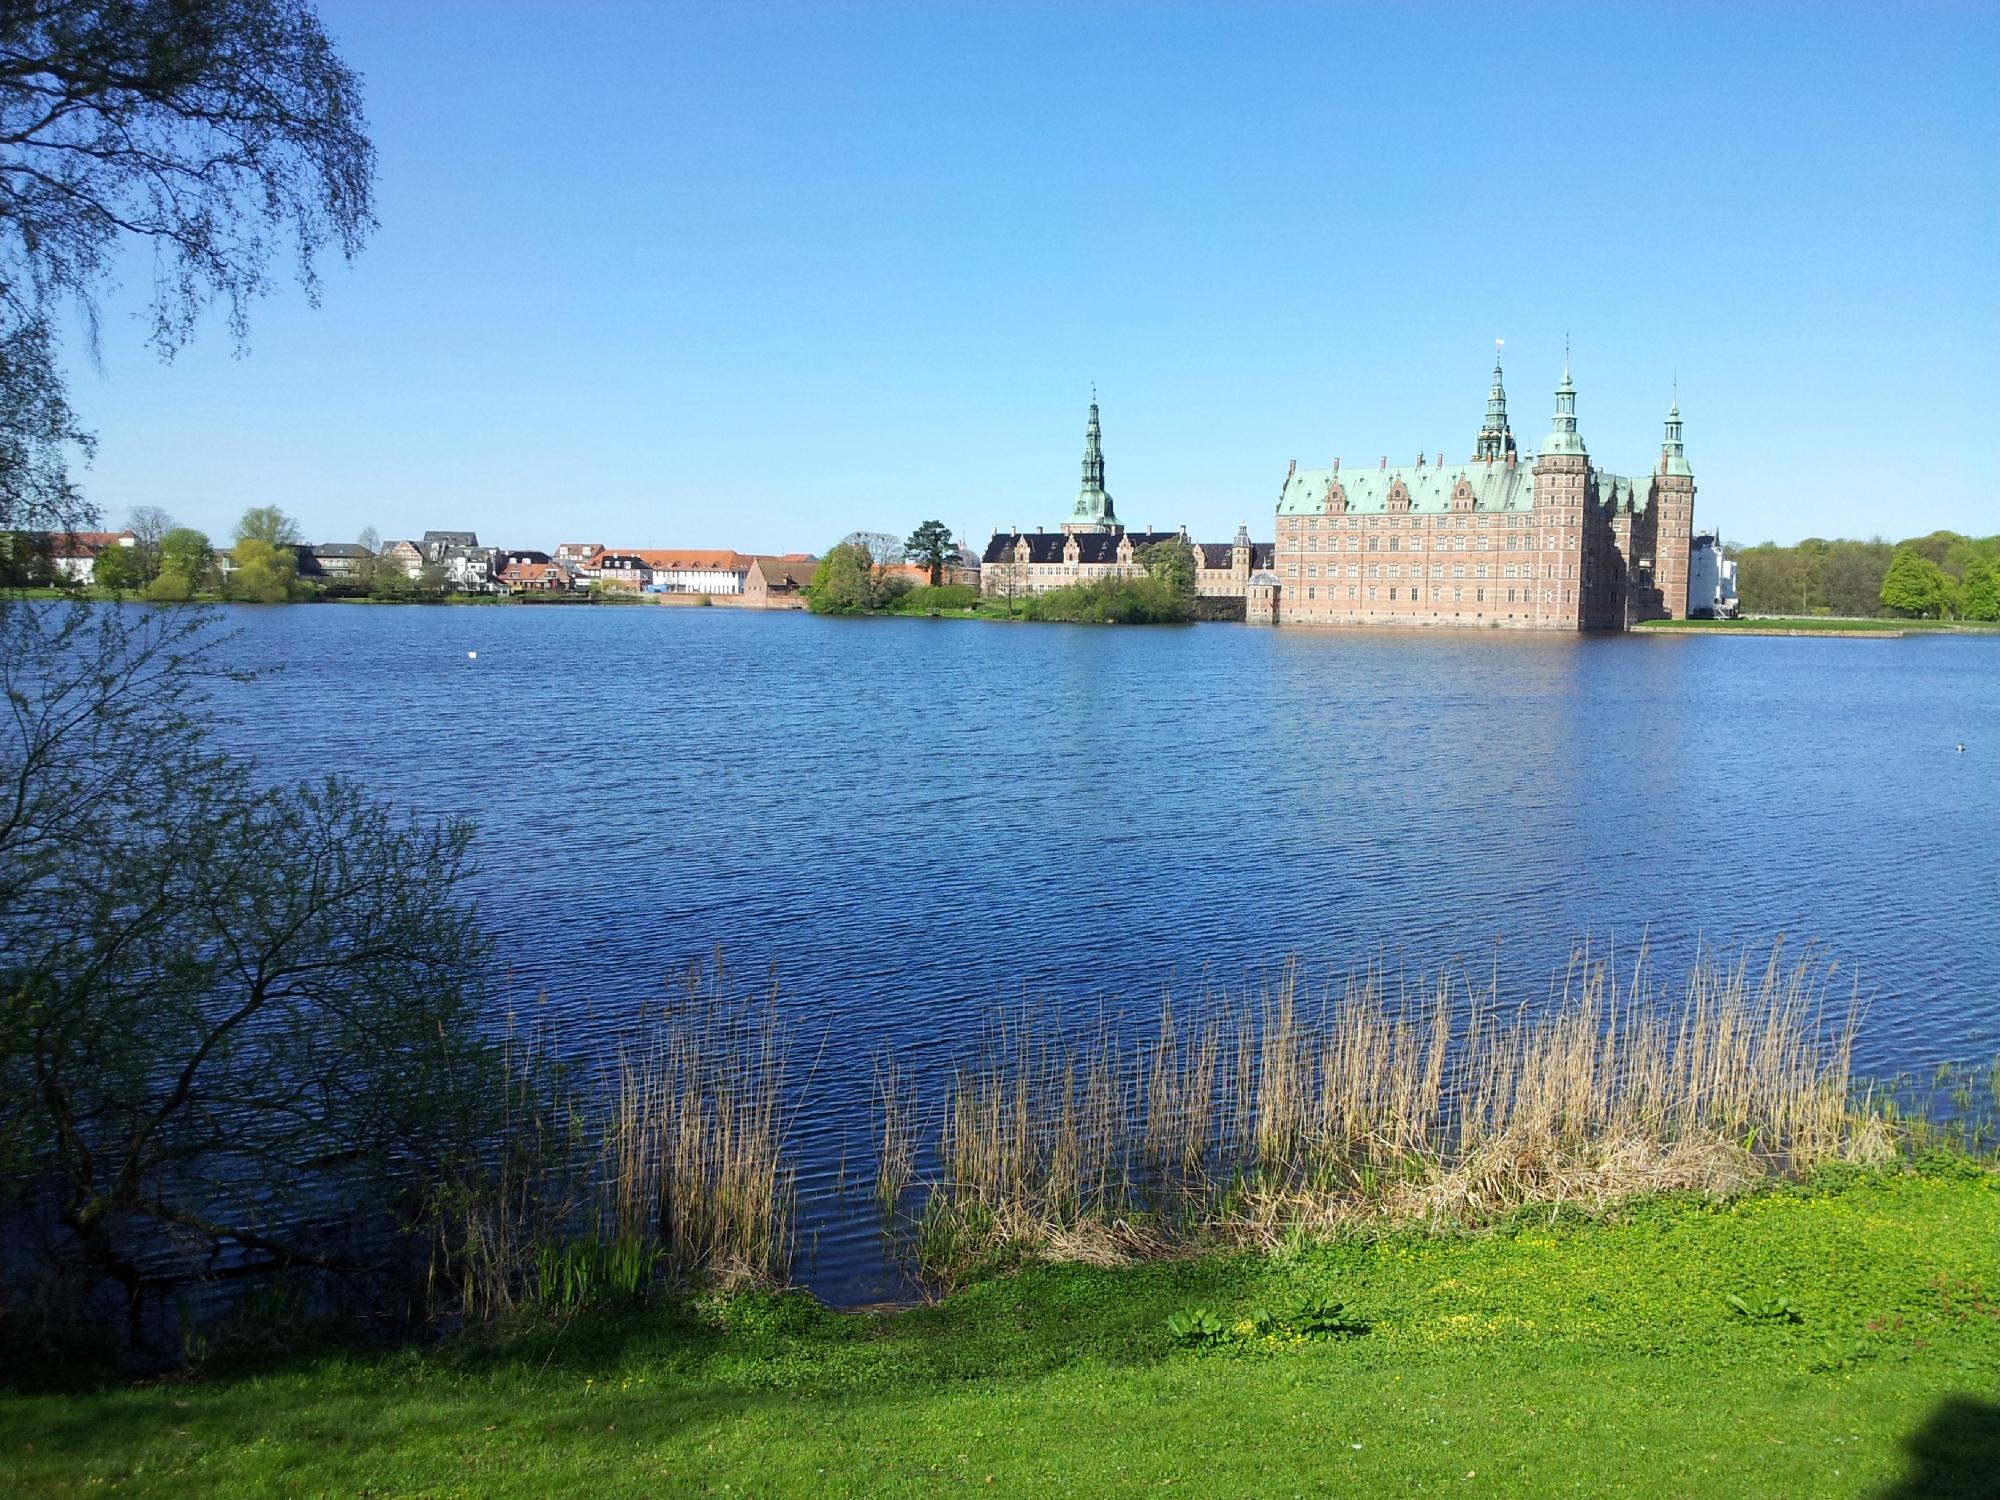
x,y
908,822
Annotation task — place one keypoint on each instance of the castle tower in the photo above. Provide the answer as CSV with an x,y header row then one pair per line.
x,y
1239,554
1093,510
1496,439
1561,477
1673,507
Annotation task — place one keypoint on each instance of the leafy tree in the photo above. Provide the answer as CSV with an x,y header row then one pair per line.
x,y
232,1018
188,555
1982,589
119,568
26,561
1851,576
266,523
844,581
1914,585
265,574
1173,563
170,588
223,134
931,546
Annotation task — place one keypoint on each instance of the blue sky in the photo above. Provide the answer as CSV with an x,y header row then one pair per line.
x,y
754,275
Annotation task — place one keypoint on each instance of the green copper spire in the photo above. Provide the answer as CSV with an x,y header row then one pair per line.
x,y
1496,439
1673,458
1093,511
1563,436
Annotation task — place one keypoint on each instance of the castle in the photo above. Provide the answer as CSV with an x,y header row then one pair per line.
x,y
1555,544
1093,543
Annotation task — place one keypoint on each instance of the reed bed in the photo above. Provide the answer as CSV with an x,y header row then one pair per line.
x,y
663,1161
1424,1100
694,1150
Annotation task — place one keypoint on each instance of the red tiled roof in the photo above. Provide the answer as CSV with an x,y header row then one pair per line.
x,y
87,543
691,559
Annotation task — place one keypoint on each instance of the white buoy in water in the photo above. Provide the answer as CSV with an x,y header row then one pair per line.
x,y
472,656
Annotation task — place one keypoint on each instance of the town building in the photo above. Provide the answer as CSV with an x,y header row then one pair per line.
x,y
625,570
1093,544
333,560
406,555
436,544
778,582
534,573
694,571
1551,544
578,552
74,553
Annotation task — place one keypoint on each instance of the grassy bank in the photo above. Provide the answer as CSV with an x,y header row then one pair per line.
x,y
1816,625
1550,1356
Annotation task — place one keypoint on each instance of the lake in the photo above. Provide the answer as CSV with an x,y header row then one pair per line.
x,y
912,822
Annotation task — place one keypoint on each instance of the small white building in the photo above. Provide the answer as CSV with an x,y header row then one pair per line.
x,y
74,553
1711,579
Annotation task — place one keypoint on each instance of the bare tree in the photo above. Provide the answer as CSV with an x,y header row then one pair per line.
x,y
883,550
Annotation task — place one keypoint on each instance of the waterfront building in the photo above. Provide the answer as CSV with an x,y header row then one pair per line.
x,y
778,582
437,544
1550,544
1093,544
533,573
693,571
1711,580
406,555
626,570
74,553
333,559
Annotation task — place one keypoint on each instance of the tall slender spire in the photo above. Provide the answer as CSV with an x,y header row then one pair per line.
x,y
1673,457
1093,510
1563,436
1496,439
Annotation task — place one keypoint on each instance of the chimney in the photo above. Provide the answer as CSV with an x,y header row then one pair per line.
x,y
1336,466
1385,460
1291,468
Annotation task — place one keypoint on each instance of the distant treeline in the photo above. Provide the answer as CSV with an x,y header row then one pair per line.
x,y
1942,575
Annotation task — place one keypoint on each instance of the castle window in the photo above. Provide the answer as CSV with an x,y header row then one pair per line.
x,y
1371,592
1352,591
1392,595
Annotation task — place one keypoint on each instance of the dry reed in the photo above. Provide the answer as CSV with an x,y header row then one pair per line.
x,y
666,1160
1416,1101
694,1149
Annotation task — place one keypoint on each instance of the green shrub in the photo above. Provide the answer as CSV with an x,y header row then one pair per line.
x,y
1110,601
945,596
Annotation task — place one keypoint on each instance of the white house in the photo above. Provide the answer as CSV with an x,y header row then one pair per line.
x,y
1711,579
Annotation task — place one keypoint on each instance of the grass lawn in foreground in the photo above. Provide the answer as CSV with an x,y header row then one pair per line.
x,y
1567,1358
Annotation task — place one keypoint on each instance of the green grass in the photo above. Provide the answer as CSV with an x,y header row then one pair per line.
x,y
1574,1357
1818,624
